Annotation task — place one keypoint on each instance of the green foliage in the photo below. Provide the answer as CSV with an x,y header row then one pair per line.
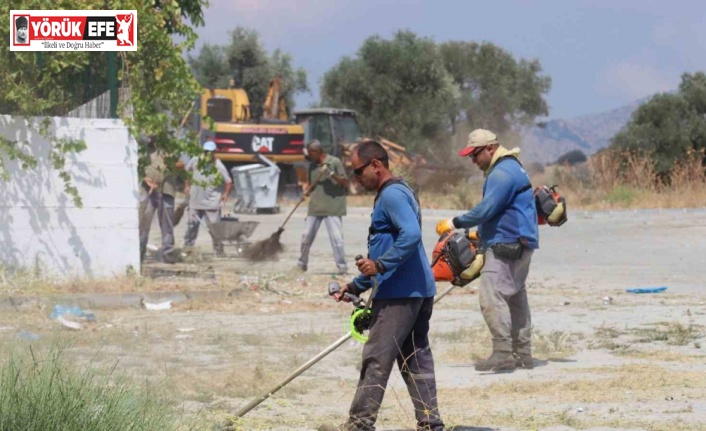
x,y
669,126
161,85
39,392
210,68
497,91
418,93
246,61
399,87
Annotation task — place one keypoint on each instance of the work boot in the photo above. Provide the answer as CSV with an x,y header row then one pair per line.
x,y
301,267
170,259
498,361
524,360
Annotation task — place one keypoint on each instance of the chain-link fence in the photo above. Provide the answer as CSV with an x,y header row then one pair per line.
x,y
90,91
101,106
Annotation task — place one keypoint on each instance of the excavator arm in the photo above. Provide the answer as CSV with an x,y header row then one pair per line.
x,y
275,107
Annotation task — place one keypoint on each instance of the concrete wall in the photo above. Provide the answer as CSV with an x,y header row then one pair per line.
x,y
39,225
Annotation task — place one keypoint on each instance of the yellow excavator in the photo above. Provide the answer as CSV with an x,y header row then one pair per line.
x,y
240,138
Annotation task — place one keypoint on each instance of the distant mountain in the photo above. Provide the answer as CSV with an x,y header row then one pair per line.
x,y
589,134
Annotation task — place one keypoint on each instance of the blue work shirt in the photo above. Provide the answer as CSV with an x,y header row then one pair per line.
x,y
397,244
507,211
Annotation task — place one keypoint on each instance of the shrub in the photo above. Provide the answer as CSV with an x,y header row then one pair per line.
x,y
571,158
41,393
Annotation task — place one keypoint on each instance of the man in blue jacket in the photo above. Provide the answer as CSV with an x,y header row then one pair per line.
x,y
403,302
507,224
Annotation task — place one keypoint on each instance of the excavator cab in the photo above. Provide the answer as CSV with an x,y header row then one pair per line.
x,y
331,126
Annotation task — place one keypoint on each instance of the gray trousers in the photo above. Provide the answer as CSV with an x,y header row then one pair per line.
x,y
192,228
503,302
334,227
163,205
398,332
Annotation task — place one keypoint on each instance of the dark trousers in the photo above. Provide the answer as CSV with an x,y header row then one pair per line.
x,y
398,332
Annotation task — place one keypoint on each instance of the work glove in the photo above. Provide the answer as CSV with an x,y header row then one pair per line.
x,y
445,226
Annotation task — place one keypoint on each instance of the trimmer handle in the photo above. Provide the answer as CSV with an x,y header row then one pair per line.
x,y
334,287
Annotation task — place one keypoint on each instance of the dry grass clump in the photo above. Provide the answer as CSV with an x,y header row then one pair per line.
x,y
624,180
610,179
555,344
605,395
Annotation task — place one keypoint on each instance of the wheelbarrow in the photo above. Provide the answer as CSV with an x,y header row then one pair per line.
x,y
232,232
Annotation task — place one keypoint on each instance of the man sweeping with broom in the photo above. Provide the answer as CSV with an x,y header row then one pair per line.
x,y
327,204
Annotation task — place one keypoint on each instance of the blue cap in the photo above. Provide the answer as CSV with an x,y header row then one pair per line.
x,y
209,146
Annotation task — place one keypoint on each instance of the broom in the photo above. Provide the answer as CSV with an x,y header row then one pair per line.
x,y
271,246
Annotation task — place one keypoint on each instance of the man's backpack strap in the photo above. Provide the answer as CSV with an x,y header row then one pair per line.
x,y
386,184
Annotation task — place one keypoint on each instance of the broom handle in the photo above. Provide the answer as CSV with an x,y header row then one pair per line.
x,y
292,212
303,198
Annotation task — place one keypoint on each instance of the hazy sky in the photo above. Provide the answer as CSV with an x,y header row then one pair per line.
x,y
599,54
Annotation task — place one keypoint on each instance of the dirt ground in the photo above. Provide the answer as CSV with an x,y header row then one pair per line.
x,y
606,359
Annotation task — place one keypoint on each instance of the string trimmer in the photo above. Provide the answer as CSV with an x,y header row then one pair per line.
x,y
333,288
359,323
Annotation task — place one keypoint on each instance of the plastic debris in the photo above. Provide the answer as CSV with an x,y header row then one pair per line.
x,y
580,410
6,328
251,280
647,289
186,329
61,310
607,300
165,305
69,323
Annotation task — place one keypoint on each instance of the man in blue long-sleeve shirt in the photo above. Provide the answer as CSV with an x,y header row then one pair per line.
x,y
403,302
507,224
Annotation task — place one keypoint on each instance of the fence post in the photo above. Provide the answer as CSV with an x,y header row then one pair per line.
x,y
113,83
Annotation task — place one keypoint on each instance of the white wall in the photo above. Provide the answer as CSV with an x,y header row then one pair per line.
x,y
39,224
